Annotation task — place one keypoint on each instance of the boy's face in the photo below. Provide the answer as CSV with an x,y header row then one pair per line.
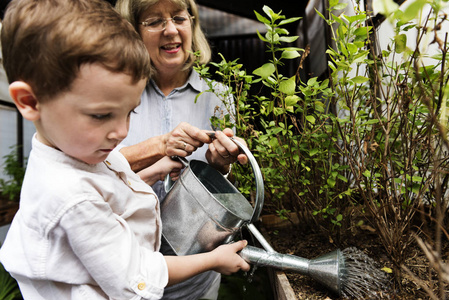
x,y
92,118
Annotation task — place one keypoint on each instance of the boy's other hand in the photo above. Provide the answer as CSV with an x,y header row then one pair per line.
x,y
228,260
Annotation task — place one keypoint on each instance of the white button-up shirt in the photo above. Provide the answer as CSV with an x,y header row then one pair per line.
x,y
85,231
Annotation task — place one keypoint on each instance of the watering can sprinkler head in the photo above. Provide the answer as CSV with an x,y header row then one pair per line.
x,y
327,269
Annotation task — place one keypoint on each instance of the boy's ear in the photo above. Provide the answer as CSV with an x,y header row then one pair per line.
x,y
25,100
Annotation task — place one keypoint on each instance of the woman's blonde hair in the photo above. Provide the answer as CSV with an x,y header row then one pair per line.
x,y
133,9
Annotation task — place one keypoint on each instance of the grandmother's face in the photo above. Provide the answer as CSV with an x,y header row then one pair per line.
x,y
169,49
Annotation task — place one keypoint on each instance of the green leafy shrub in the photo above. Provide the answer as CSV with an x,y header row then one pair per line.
x,y
14,169
372,135
9,289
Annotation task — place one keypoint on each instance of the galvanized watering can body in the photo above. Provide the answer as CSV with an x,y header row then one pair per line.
x,y
203,210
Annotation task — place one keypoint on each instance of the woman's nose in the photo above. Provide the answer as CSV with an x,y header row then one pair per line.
x,y
170,27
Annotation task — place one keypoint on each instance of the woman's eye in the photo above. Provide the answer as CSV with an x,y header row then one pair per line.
x,y
155,22
179,19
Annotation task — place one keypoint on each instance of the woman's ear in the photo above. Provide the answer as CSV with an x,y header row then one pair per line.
x,y
25,100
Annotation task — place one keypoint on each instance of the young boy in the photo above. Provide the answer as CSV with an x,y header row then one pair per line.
x,y
87,227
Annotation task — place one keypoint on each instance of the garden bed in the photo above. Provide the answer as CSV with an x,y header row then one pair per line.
x,y
309,244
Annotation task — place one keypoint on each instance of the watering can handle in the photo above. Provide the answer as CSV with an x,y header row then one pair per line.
x,y
168,182
258,178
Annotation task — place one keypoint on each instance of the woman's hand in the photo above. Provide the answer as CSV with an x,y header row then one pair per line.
x,y
223,151
160,169
184,139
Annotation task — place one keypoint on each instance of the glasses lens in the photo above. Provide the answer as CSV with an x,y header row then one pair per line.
x,y
159,24
181,21
155,24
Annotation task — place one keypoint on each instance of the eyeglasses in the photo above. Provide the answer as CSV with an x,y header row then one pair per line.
x,y
158,24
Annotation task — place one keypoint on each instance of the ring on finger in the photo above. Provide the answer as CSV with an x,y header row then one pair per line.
x,y
225,156
185,145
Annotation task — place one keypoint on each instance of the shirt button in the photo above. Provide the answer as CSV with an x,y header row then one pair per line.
x,y
141,286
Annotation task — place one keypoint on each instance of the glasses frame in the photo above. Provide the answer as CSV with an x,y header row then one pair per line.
x,y
165,21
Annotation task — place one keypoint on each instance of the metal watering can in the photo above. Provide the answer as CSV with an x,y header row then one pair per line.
x,y
203,210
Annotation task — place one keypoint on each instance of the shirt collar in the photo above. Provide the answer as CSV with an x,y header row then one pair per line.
x,y
193,80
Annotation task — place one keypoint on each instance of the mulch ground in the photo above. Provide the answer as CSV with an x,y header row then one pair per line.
x,y
312,244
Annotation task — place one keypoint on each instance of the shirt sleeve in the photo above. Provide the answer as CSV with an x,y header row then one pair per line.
x,y
109,250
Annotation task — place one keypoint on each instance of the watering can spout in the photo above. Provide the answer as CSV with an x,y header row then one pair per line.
x,y
326,269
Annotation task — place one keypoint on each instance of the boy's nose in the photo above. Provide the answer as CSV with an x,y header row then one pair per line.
x,y
119,132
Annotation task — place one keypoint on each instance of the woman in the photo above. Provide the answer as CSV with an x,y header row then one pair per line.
x,y
171,32
169,99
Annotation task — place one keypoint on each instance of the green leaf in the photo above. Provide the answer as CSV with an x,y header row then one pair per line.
x,y
371,122
412,10
291,100
288,39
359,17
343,49
265,71
313,151
287,21
340,6
332,3
261,18
331,182
290,54
362,31
262,38
342,178
311,119
268,11
288,86
401,43
320,14
367,174
352,48
359,79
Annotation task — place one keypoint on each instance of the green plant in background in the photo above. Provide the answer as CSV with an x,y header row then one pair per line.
x,y
9,289
391,108
373,134
15,170
289,130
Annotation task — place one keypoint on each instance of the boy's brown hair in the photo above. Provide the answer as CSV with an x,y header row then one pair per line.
x,y
44,43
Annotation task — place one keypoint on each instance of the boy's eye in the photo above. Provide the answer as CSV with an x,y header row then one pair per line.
x,y
101,116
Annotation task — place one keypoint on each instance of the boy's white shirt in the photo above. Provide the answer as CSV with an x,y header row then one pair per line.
x,y
85,230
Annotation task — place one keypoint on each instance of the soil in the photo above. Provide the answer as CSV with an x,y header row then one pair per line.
x,y
310,245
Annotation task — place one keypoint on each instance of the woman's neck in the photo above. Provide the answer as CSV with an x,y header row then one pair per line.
x,y
167,82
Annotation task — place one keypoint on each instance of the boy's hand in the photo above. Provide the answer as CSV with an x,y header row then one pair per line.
x,y
160,169
228,261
